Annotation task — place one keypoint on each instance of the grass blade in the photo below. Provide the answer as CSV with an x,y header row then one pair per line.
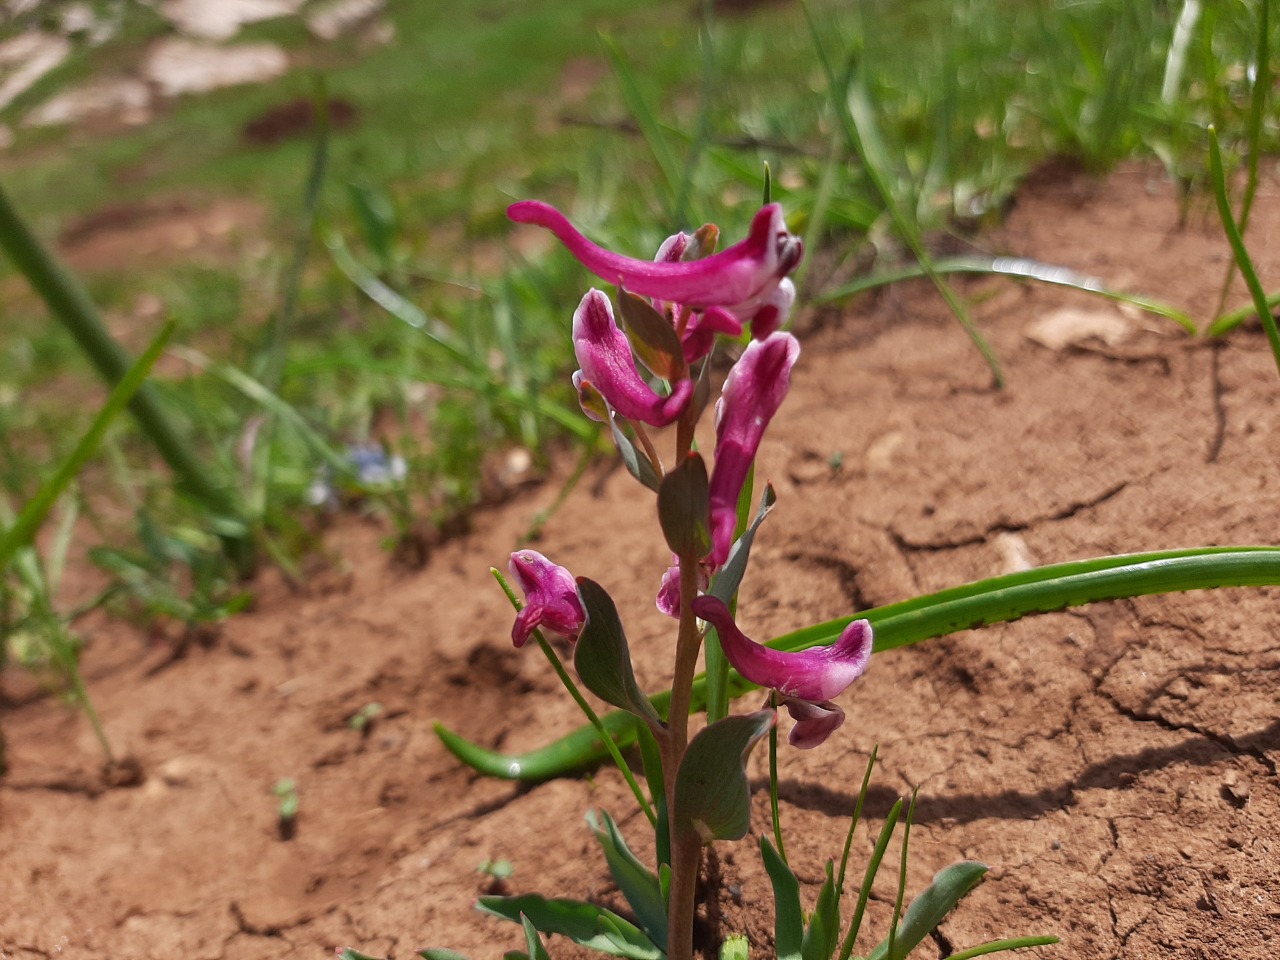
x,y
1237,246
24,528
852,105
650,129
1000,946
71,305
1022,268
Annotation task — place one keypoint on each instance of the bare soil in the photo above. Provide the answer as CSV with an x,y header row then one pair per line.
x,y
1115,765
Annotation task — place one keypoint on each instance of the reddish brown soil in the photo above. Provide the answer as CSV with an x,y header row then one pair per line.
x,y
1115,765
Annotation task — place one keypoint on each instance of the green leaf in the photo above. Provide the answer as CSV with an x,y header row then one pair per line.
x,y
637,882
713,797
683,509
637,464
822,936
788,919
931,907
583,923
651,755
735,947
24,528
346,953
729,578
602,658
437,953
533,943
653,337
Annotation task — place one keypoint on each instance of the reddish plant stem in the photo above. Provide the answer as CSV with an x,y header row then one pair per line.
x,y
685,845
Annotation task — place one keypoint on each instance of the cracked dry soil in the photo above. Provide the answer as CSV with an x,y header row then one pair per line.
x,y
1115,765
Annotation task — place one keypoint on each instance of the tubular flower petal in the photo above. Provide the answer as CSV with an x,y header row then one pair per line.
x,y
773,313
604,356
743,276
753,392
699,336
814,722
551,598
807,681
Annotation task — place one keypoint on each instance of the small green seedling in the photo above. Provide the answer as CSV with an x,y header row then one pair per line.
x,y
287,812
498,869
498,872
362,720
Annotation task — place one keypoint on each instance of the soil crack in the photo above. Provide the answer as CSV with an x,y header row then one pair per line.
x,y
846,574
1228,743
906,545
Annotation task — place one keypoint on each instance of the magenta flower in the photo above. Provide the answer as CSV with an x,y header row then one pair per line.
x,y
551,598
806,681
753,392
605,362
741,278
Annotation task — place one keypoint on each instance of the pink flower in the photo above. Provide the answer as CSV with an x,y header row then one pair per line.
x,y
669,592
742,278
551,598
806,681
605,362
753,392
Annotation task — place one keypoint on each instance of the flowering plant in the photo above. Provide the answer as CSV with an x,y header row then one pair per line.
x,y
672,309
652,371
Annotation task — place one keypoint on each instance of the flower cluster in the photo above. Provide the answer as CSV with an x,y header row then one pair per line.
x,y
674,307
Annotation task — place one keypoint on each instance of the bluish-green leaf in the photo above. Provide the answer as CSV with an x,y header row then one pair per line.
x,y
713,797
346,953
730,576
637,882
788,923
637,464
602,658
533,943
931,907
436,953
583,923
683,507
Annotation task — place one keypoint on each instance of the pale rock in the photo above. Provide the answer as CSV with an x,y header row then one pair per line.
x,y
222,19
27,57
1070,326
329,20
180,66
122,97
1015,555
